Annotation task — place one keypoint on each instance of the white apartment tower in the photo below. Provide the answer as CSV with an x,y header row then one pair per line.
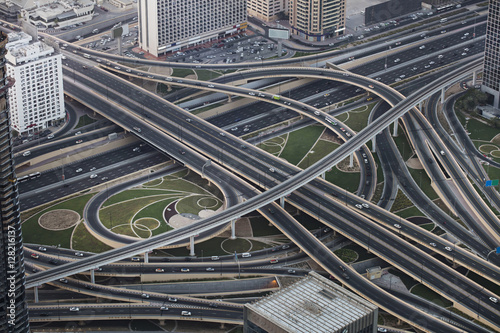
x,y
316,20
170,25
266,10
37,97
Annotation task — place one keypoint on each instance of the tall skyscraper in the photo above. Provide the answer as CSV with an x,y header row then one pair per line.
x,y
266,10
316,20
170,25
13,308
491,75
37,97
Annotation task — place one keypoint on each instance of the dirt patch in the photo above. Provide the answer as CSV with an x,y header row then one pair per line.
x,y
59,219
414,163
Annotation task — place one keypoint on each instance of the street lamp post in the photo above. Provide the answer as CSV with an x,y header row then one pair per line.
x,y
207,163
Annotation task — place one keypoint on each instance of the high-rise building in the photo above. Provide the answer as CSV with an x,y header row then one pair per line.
x,y
316,20
313,304
170,25
266,10
13,308
491,74
37,97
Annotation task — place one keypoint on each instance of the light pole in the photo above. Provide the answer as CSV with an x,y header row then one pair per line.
x,y
207,163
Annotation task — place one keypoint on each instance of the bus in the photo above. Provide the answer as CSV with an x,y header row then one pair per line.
x,y
34,175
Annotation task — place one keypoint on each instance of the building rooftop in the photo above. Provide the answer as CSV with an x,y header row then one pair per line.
x,y
21,50
60,8
313,305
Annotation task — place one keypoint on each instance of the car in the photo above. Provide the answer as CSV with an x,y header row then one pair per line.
x,y
397,226
442,152
185,313
365,205
251,94
359,206
493,299
27,153
213,305
74,309
427,66
79,170
78,133
43,249
159,270
271,210
371,86
144,295
63,280
369,99
345,276
85,67
128,70
78,254
432,244
422,47
215,258
447,248
397,79
291,271
137,129
464,53
104,178
210,85
135,259
172,299
381,329
397,60
35,256
222,134
50,136
79,141
432,62
184,270
163,308
93,168
273,261
342,268
285,246
92,176
210,269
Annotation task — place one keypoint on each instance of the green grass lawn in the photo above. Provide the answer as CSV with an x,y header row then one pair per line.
x,y
480,131
206,75
358,118
85,241
182,72
261,227
347,180
300,142
409,212
403,146
320,150
34,233
424,182
274,145
346,255
430,295
84,120
190,204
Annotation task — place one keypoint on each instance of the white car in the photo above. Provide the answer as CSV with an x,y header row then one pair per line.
x,y
432,244
92,176
79,170
210,269
397,226
74,309
442,152
210,85
251,94
365,205
447,248
494,299
422,47
26,153
359,206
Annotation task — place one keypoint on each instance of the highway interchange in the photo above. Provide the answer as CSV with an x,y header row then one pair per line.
x,y
373,235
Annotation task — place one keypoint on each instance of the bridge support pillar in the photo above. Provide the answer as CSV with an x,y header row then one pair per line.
x,y
442,95
282,202
420,104
162,322
395,129
351,160
36,294
474,75
374,144
92,276
233,229
229,98
191,246
146,257
222,326
169,87
323,175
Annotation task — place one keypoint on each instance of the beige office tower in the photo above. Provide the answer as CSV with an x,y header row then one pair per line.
x,y
266,10
316,20
171,25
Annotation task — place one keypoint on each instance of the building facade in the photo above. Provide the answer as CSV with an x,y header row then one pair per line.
x,y
313,304
170,25
491,74
13,307
266,10
315,20
37,97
